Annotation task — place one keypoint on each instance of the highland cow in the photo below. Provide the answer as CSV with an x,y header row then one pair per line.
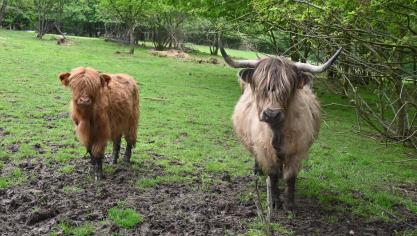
x,y
103,107
277,118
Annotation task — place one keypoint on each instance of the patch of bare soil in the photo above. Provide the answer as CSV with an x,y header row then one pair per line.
x,y
3,133
312,219
36,207
183,55
64,41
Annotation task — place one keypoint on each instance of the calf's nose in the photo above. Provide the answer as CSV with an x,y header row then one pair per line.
x,y
84,101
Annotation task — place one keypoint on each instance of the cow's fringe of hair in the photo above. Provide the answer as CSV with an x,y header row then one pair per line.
x,y
275,78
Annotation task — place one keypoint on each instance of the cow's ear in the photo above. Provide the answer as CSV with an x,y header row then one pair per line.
x,y
246,75
303,79
105,79
64,78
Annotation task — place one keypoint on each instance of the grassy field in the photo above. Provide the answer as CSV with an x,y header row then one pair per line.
x,y
185,119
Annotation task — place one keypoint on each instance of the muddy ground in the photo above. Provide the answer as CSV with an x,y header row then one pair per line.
x,y
37,206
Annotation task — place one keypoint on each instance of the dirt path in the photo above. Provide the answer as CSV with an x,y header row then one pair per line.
x,y
41,203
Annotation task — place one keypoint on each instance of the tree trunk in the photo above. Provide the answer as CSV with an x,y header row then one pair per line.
x,y
214,47
295,56
415,69
401,109
132,39
3,10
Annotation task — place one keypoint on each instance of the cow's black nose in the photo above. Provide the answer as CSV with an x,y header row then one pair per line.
x,y
271,116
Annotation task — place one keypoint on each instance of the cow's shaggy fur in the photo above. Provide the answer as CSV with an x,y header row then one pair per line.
x,y
103,107
278,148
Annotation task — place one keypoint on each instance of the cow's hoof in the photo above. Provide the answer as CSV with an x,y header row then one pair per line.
x,y
275,205
98,176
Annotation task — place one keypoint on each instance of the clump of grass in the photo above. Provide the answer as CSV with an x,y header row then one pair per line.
x,y
67,169
258,229
83,230
108,169
125,218
4,183
71,189
14,176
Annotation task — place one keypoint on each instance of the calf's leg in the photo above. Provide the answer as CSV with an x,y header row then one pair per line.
x,y
131,141
116,149
98,168
91,156
98,156
128,152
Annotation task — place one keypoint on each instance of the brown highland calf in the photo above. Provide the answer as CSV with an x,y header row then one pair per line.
x,y
277,118
103,107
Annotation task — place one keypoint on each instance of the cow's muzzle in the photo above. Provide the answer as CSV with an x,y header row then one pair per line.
x,y
272,115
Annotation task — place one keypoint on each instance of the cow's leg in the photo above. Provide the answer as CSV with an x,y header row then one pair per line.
x,y
290,189
272,193
257,169
116,149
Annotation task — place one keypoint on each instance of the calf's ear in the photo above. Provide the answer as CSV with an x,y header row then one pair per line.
x,y
246,74
105,79
64,78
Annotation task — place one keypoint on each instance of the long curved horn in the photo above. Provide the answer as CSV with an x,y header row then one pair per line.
x,y
317,69
237,63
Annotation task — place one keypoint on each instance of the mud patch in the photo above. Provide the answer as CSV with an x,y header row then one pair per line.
x,y
50,197
155,155
408,190
171,53
311,219
38,148
62,115
39,205
3,132
13,148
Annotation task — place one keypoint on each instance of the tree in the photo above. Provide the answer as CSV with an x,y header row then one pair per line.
x,y
378,38
126,12
165,20
3,8
218,13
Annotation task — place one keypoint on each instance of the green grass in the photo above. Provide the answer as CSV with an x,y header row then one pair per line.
x,y
169,179
259,229
83,230
14,176
125,218
67,169
185,126
71,189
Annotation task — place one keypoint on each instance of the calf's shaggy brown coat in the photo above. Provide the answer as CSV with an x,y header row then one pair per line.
x,y
103,107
